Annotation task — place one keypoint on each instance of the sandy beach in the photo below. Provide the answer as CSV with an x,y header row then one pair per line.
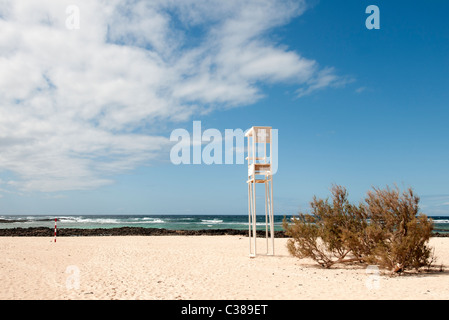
x,y
193,267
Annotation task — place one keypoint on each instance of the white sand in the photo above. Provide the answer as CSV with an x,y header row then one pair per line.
x,y
199,267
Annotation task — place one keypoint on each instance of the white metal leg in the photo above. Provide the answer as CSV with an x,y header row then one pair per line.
x,y
272,216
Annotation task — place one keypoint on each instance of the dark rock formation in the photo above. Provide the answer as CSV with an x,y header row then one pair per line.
x,y
124,231
135,231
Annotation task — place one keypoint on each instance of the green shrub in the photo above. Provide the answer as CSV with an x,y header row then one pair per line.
x,y
387,230
398,229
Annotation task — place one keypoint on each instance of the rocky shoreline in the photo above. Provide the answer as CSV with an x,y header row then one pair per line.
x,y
124,231
135,231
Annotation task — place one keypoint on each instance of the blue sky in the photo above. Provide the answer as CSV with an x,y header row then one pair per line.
x,y
86,114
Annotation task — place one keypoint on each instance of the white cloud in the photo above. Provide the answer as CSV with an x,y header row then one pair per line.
x,y
75,105
323,79
360,90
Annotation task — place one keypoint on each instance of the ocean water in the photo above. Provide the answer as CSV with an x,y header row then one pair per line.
x,y
170,222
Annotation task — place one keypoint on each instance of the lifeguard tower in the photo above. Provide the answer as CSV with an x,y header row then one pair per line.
x,y
260,160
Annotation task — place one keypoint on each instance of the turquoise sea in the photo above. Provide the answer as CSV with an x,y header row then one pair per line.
x,y
170,222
